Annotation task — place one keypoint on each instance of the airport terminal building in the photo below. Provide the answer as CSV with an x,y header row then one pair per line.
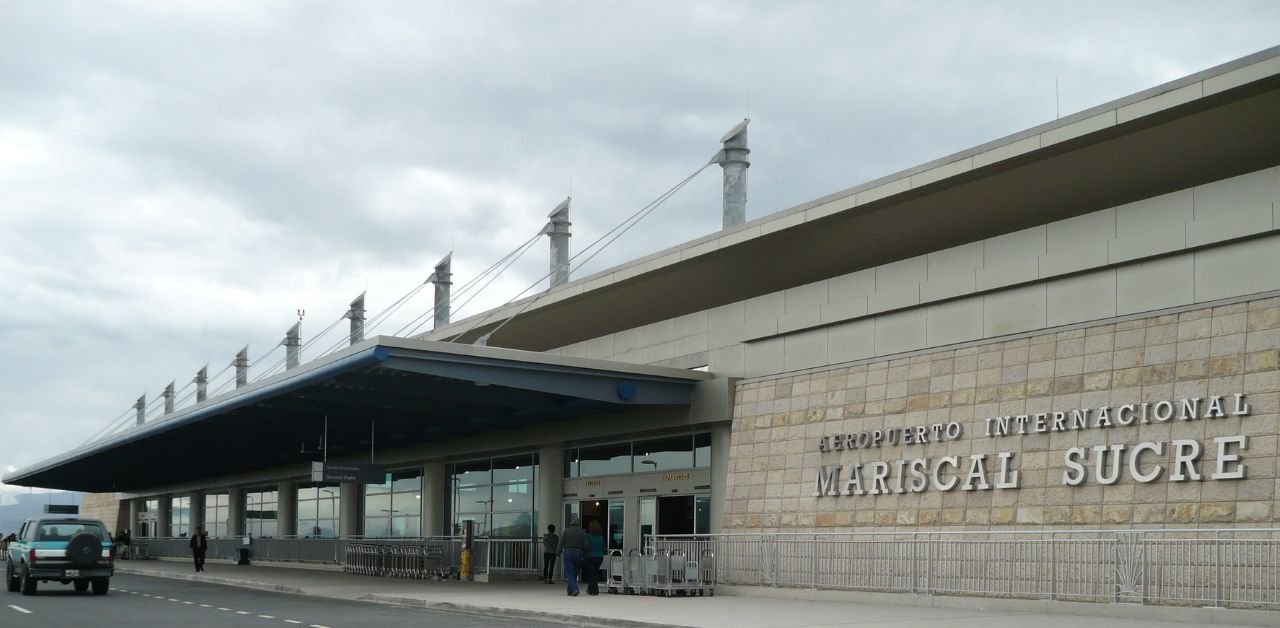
x,y
1074,327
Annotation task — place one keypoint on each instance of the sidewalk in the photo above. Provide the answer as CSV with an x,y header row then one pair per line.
x,y
731,607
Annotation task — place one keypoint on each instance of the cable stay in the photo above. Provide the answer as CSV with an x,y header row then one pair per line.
x,y
621,229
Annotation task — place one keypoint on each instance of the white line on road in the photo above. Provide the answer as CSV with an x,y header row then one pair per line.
x,y
188,602
20,609
267,616
242,612
173,600
205,606
223,609
318,626
292,621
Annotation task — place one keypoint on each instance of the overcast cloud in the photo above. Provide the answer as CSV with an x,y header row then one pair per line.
x,y
178,178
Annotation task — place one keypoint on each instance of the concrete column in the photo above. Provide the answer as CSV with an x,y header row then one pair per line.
x,y
140,410
293,346
168,399
720,438
287,508
235,512
550,486
733,159
197,510
202,383
242,367
135,506
443,280
435,499
349,509
558,230
356,315
164,516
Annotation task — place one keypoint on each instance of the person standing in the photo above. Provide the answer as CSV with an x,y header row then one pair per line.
x,y
595,556
199,545
573,543
550,543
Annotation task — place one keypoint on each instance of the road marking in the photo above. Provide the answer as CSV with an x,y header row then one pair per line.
x,y
318,626
188,602
205,606
20,609
223,609
292,621
242,612
172,600
267,616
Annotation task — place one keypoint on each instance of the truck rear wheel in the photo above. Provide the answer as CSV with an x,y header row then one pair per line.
x,y
101,586
10,577
28,583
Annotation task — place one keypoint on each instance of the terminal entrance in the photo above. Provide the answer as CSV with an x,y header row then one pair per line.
x,y
610,513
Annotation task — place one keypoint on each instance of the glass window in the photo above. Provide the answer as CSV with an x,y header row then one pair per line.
x,y
501,506
179,516
216,511
394,508
616,511
472,473
260,508
664,454
702,450
571,463
604,460
702,514
318,510
64,530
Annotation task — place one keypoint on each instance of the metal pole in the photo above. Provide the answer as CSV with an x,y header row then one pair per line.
x,y
1053,565
1217,540
813,563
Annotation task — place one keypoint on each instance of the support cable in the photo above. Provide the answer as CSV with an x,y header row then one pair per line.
x,y
621,229
517,252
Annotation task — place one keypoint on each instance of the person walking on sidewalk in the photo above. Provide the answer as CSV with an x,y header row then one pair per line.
x,y
573,543
199,545
550,543
595,556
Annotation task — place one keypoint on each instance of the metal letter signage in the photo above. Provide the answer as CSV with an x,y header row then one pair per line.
x,y
1100,464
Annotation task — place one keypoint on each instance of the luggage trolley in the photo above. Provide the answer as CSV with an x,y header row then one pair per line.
x,y
657,573
616,576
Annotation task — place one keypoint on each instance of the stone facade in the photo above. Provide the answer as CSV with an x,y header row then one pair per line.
x,y
1222,350
106,507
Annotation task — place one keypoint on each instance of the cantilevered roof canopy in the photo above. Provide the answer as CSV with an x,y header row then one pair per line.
x,y
413,391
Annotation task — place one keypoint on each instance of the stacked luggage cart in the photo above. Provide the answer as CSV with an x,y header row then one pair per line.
x,y
419,561
661,572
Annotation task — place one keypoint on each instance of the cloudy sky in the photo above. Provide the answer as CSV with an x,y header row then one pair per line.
x,y
177,178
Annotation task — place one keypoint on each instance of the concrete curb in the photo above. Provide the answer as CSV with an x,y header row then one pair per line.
x,y
513,613
245,584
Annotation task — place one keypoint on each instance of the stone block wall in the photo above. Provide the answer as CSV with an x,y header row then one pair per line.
x,y
1223,350
106,507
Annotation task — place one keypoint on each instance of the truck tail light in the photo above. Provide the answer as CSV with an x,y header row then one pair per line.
x,y
111,556
31,557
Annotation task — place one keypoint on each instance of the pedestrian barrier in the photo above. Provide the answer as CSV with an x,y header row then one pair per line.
x,y
1229,567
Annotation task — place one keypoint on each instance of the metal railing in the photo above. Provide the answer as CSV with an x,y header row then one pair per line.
x,y
377,555
1237,568
300,549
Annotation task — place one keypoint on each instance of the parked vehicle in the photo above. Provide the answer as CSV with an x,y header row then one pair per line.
x,y
70,550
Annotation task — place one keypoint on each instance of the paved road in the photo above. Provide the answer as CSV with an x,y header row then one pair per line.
x,y
144,601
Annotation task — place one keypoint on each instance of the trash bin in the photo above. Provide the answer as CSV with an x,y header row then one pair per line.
x,y
242,556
